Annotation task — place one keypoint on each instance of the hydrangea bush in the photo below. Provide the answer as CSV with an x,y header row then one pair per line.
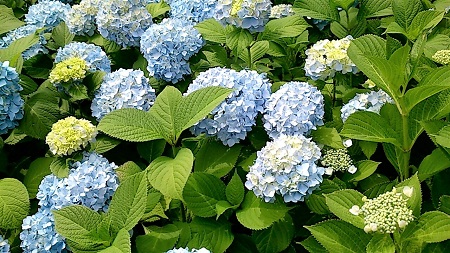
x,y
224,126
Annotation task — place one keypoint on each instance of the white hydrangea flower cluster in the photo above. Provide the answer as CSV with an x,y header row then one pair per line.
x,y
186,250
370,101
326,57
387,212
286,166
442,56
81,18
281,11
337,160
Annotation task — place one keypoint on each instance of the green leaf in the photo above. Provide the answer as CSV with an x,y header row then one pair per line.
x,y
8,20
212,30
327,136
368,148
339,236
158,239
61,35
41,111
169,175
312,245
128,203
151,150
423,21
432,164
319,9
157,9
415,201
222,206
276,238
131,125
60,167
257,51
432,227
38,169
13,52
77,223
316,201
405,11
441,247
214,235
444,205
374,8
216,55
103,144
369,126
256,214
340,202
29,85
121,244
381,243
202,192
235,190
14,203
127,169
365,169
216,159
286,27
443,137
239,39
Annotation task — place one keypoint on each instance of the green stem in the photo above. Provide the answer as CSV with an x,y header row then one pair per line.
x,y
250,62
406,149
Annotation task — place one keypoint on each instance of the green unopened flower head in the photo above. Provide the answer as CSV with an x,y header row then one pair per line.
x,y
72,69
387,212
442,57
69,135
337,160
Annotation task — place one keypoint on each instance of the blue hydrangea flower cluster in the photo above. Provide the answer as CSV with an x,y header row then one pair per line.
x,y
370,101
248,14
186,250
81,18
47,13
4,245
295,109
326,57
91,182
233,118
168,46
11,104
22,32
193,10
39,234
124,88
281,11
95,57
286,166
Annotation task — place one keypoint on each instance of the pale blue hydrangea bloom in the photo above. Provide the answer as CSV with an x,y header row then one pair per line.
x,y
281,11
370,101
124,88
233,118
95,57
81,18
326,57
248,14
193,10
39,234
91,182
168,46
295,109
186,250
123,22
47,13
22,32
11,104
286,166
4,245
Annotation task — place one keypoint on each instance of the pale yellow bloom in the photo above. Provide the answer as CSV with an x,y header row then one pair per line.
x,y
442,57
69,70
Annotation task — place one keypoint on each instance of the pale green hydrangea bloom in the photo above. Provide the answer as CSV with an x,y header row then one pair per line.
x,y
442,57
69,135
72,69
387,212
337,160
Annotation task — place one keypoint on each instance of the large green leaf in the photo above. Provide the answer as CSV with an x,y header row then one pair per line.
x,y
313,246
405,11
339,236
432,227
212,30
215,158
291,26
14,203
235,190
423,21
158,239
202,192
121,243
327,136
157,9
374,8
214,235
276,238
415,201
238,40
62,35
319,9
104,143
365,169
443,137
432,164
257,214
340,202
13,52
8,20
38,169
381,243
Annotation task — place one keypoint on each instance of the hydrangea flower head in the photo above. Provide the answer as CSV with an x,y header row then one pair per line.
x,y
123,22
186,250
4,245
22,32
95,57
295,109
442,56
387,212
337,160
81,18
248,14
11,104
167,47
233,118
281,11
69,135
39,234
72,69
286,166
370,101
192,10
47,13
9,79
326,57
124,88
